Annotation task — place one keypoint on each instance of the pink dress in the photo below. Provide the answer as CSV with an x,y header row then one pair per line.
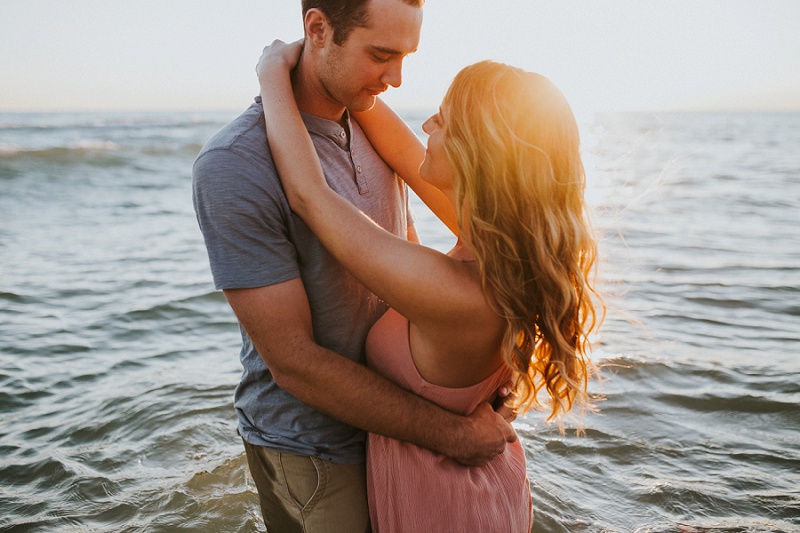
x,y
415,490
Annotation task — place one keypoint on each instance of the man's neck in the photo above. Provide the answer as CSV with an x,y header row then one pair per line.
x,y
311,96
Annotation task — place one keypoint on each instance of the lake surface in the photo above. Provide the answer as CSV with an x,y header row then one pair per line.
x,y
118,360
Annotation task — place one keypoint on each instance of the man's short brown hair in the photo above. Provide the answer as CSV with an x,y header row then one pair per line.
x,y
344,15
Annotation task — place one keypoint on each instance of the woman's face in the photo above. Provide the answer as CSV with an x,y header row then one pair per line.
x,y
436,168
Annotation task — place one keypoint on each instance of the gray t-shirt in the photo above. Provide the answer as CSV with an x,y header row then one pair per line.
x,y
254,240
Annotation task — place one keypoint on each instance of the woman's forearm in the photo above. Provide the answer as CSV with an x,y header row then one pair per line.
x,y
399,146
292,148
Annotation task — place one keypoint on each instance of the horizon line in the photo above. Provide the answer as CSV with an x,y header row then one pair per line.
x,y
398,108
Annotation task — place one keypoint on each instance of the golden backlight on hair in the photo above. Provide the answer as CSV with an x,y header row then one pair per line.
x,y
514,142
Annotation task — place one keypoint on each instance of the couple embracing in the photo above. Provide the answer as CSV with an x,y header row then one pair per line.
x,y
303,204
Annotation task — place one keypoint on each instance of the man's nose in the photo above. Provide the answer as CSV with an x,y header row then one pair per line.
x,y
393,75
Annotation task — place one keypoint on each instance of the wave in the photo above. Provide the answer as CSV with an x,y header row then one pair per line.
x,y
101,486
674,373
13,297
735,403
104,154
189,307
95,153
102,139
53,122
7,150
688,445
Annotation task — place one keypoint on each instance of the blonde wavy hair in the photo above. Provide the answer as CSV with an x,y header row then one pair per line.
x,y
514,142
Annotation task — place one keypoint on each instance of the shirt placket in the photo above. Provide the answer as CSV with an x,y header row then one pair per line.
x,y
358,173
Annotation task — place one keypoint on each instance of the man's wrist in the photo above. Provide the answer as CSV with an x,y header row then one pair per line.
x,y
455,437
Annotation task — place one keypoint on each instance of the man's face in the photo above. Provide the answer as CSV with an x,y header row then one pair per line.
x,y
371,58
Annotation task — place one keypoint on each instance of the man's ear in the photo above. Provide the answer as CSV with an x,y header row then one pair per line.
x,y
318,31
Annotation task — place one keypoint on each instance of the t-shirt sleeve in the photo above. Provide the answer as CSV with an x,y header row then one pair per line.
x,y
244,219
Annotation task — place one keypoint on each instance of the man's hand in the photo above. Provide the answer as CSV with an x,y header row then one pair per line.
x,y
485,436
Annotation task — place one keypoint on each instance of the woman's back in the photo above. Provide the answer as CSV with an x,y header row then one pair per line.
x,y
413,489
461,348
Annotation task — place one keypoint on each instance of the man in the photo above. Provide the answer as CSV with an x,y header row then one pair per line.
x,y
304,397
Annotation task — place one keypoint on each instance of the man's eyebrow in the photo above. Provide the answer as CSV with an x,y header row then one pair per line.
x,y
389,51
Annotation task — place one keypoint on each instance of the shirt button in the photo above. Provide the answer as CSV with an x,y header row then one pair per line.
x,y
358,168
342,135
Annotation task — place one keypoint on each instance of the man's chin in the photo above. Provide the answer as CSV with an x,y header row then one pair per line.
x,y
362,104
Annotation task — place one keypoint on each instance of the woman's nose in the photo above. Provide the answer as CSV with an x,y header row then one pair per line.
x,y
426,126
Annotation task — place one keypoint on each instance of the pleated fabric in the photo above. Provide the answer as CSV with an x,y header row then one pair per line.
x,y
412,489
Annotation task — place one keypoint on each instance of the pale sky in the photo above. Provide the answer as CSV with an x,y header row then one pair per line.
x,y
605,55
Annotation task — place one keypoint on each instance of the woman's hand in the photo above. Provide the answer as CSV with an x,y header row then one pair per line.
x,y
505,403
278,56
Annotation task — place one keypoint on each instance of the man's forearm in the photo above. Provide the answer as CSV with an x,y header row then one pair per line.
x,y
355,395
277,320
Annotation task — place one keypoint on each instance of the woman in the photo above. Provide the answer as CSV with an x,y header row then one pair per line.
x,y
511,299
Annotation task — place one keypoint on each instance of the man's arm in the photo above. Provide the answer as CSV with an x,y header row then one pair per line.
x,y
277,319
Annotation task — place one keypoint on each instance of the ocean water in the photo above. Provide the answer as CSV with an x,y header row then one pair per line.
x,y
118,359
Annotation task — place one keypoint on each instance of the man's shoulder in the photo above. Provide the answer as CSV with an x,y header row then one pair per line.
x,y
244,137
236,161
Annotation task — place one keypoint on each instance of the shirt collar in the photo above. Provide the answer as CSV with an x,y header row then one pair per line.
x,y
329,128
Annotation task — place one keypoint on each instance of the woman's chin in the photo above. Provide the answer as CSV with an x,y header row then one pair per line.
x,y
434,179
424,171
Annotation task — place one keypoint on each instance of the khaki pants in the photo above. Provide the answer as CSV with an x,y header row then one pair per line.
x,y
308,495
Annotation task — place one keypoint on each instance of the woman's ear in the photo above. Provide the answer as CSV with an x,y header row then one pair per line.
x,y
318,31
